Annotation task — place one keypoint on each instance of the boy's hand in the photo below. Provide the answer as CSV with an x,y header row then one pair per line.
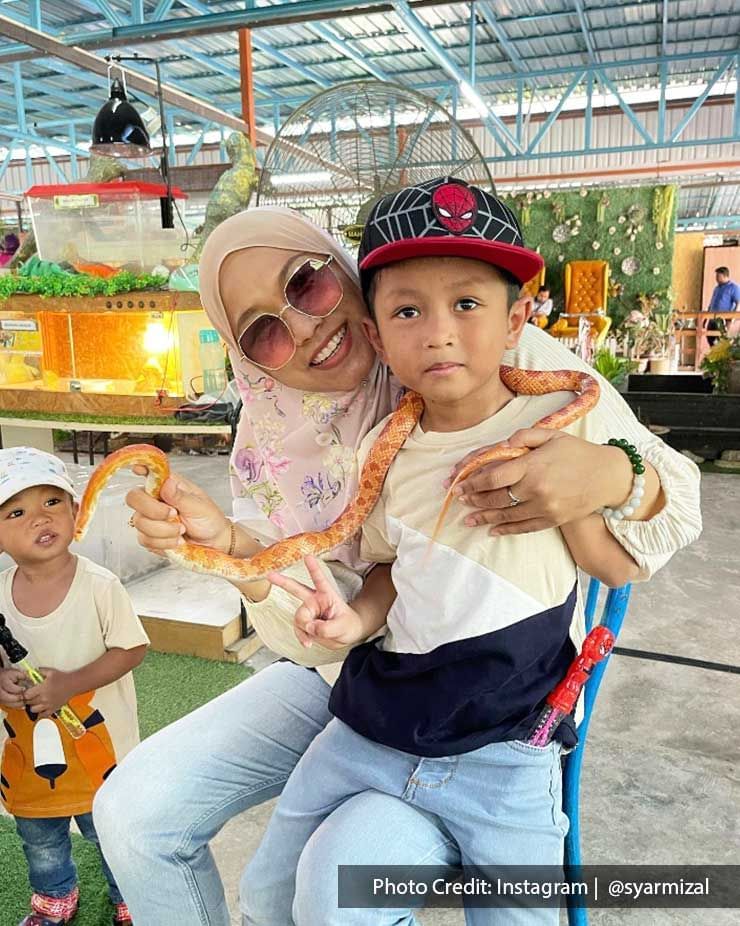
x,y
46,698
13,684
323,616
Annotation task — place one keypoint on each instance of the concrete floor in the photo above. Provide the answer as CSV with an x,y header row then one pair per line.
x,y
661,782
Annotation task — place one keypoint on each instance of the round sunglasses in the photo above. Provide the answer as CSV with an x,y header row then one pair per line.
x,y
314,290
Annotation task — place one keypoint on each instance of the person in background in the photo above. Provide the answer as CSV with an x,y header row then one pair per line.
x,y
725,298
542,308
726,295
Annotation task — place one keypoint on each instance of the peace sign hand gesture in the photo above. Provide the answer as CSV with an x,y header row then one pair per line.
x,y
324,616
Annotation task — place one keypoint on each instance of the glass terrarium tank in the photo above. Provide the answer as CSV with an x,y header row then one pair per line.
x,y
20,350
103,228
123,353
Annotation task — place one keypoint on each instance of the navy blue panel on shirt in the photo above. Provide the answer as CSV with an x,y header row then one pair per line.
x,y
460,696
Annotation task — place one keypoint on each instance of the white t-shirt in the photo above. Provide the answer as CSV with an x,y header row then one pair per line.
x,y
45,772
483,628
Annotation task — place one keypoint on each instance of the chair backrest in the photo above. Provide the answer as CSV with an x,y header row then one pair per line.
x,y
586,285
612,616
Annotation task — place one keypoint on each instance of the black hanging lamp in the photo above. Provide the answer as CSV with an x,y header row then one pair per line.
x,y
118,130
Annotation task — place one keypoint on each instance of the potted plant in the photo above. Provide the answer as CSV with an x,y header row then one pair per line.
x,y
722,363
613,368
649,332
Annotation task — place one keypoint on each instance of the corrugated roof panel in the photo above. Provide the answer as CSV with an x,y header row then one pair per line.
x,y
545,34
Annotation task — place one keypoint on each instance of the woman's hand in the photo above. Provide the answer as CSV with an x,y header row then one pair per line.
x,y
561,480
201,520
324,616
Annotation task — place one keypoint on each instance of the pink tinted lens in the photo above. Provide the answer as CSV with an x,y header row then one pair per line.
x,y
267,341
314,291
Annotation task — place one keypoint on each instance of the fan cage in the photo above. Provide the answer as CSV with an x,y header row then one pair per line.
x,y
352,144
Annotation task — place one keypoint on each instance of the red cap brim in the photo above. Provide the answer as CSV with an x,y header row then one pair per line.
x,y
521,263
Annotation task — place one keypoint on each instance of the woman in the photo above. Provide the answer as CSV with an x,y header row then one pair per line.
x,y
284,297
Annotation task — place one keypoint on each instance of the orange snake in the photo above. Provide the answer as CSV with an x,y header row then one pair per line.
x,y
398,427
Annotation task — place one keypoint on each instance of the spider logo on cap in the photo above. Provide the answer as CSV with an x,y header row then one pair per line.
x,y
455,207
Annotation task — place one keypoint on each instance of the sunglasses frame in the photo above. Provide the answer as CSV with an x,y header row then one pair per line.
x,y
316,265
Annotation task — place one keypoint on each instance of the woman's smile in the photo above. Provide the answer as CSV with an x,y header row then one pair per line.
x,y
334,348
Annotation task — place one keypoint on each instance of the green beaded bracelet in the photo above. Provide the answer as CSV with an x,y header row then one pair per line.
x,y
638,481
631,451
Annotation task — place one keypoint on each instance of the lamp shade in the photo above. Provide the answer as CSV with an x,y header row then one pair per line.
x,y
118,130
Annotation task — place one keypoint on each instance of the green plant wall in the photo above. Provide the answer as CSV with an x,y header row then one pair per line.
x,y
605,218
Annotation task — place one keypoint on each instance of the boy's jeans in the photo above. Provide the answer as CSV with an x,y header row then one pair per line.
x,y
48,850
500,804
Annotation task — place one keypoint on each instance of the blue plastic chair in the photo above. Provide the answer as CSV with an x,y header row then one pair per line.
x,y
612,616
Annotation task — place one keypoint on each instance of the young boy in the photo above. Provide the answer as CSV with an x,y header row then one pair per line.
x,y
437,712
542,307
74,616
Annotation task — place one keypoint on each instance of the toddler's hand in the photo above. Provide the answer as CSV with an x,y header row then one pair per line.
x,y
13,684
324,616
47,697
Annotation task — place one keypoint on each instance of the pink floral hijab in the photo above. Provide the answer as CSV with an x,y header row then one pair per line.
x,y
293,466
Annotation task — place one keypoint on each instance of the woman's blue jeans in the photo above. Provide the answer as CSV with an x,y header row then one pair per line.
x,y
158,811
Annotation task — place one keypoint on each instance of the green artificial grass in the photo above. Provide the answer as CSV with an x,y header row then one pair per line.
x,y
84,418
167,687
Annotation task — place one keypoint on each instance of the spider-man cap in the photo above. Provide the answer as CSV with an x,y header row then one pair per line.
x,y
445,217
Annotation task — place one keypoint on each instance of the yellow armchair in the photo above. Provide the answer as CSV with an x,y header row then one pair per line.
x,y
586,284
532,286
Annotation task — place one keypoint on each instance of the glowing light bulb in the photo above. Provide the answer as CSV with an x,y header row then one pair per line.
x,y
156,338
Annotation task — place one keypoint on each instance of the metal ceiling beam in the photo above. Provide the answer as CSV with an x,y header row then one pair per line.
x,y
431,47
266,48
213,63
86,38
609,86
501,36
730,59
89,62
42,141
162,9
664,30
586,30
344,48
301,11
547,124
113,17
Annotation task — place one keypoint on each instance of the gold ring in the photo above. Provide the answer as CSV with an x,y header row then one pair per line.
x,y
514,500
131,521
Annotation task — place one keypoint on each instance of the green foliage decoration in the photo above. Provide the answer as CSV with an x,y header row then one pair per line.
x,y
77,284
653,246
718,362
612,368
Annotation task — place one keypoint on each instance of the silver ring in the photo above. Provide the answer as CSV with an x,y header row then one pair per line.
x,y
514,500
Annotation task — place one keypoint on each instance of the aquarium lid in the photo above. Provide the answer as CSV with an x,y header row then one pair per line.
x,y
123,189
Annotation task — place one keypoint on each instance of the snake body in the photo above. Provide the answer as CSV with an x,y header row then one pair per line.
x,y
400,424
